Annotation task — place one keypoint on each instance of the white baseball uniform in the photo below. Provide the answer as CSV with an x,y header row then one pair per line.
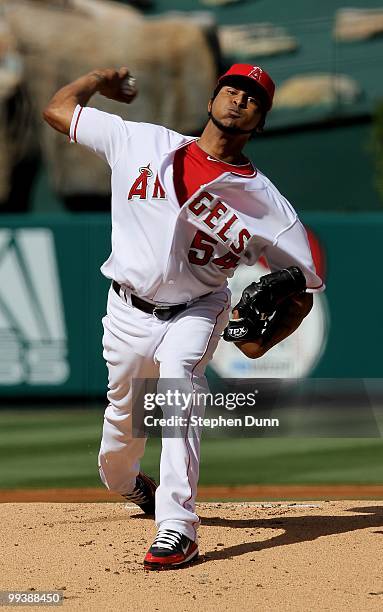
x,y
169,252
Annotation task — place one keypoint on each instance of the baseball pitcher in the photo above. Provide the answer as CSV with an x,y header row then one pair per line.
x,y
186,212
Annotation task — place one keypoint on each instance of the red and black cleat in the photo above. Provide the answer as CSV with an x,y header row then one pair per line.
x,y
169,550
143,493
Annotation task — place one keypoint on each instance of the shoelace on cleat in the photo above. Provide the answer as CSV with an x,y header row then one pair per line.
x,y
166,538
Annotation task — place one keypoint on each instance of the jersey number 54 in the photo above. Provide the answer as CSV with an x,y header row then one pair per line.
x,y
202,250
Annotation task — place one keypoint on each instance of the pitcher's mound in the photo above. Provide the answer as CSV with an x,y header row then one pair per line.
x,y
272,556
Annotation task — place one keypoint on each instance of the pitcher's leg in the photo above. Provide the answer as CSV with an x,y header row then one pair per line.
x,y
184,353
126,331
120,452
179,470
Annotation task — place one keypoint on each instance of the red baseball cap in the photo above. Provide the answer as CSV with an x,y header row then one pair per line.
x,y
257,75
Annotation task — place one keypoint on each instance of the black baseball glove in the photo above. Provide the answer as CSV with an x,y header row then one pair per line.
x,y
261,301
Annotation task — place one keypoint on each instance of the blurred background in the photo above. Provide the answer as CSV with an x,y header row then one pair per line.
x,y
322,147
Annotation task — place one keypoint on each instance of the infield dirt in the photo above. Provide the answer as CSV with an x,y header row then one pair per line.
x,y
272,556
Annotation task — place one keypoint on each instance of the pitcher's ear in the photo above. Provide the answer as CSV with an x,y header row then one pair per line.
x,y
261,124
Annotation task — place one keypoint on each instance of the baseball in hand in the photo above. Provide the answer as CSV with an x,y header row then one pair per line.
x,y
128,86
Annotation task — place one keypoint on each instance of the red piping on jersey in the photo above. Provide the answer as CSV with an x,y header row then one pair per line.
x,y
189,415
76,124
246,175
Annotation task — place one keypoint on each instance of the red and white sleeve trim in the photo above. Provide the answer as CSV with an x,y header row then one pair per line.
x,y
317,289
74,123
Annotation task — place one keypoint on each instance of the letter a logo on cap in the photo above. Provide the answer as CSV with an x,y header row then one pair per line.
x,y
255,73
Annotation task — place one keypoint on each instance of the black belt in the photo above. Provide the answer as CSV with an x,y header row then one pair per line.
x,y
164,313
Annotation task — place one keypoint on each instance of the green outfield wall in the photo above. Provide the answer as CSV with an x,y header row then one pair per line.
x,y
52,299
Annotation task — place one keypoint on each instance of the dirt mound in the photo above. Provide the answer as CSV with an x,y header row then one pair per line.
x,y
275,556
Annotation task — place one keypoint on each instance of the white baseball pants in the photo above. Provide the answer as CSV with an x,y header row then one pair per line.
x,y
138,345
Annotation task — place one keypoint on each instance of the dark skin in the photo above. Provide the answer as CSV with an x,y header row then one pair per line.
x,y
236,105
108,82
233,108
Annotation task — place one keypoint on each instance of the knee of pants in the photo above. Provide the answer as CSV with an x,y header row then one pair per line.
x,y
182,369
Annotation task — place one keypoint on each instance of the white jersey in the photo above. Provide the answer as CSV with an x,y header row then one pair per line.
x,y
169,253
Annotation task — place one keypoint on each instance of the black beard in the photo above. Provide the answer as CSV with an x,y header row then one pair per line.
x,y
228,129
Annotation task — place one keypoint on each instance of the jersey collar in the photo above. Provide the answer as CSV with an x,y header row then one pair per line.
x,y
245,170
237,172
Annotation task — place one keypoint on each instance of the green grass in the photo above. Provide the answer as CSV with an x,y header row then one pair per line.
x,y
59,448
